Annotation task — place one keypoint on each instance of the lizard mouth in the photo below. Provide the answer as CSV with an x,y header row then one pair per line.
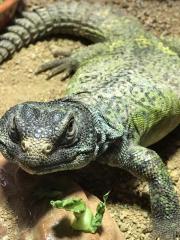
x,y
63,166
43,169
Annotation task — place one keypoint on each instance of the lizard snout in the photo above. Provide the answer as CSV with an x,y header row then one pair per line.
x,y
36,146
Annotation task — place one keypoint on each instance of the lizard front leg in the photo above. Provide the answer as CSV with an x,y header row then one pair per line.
x,y
68,63
146,163
71,62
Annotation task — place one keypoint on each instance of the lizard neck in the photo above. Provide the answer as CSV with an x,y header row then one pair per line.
x,y
106,133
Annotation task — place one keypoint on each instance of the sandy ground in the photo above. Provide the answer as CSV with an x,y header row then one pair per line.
x,y
129,199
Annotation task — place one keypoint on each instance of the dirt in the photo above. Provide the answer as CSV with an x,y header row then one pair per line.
x,y
129,199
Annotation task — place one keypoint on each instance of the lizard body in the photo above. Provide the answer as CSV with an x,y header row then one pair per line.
x,y
124,95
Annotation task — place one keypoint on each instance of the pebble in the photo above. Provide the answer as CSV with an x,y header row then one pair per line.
x,y
124,228
175,175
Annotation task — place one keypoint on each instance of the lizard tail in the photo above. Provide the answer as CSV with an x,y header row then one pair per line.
x,y
91,21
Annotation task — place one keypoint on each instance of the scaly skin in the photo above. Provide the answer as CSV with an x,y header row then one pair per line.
x,y
124,95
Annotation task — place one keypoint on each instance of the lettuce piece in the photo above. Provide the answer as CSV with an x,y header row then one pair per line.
x,y
84,219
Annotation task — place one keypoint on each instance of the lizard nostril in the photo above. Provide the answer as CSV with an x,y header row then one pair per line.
x,y
24,146
35,147
47,149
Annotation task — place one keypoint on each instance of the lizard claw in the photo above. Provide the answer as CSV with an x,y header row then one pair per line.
x,y
56,66
60,69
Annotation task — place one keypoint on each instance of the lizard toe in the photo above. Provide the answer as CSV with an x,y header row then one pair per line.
x,y
49,65
62,68
57,66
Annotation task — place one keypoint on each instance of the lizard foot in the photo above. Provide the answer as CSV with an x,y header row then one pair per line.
x,y
167,230
67,65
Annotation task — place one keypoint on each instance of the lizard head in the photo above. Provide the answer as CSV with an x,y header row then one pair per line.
x,y
48,137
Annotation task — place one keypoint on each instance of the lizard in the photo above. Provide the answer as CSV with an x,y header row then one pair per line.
x,y
122,96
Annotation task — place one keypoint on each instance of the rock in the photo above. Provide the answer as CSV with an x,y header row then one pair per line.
x,y
28,196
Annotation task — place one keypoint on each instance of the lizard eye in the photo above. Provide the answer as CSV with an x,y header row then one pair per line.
x,y
71,130
13,133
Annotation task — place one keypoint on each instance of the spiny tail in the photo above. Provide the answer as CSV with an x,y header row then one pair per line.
x,y
90,21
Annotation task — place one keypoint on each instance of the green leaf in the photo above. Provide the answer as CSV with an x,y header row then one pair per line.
x,y
97,220
70,204
84,219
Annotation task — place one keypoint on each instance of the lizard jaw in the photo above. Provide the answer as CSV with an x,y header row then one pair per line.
x,y
77,163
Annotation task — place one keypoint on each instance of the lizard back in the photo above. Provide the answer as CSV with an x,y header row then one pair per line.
x,y
137,85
